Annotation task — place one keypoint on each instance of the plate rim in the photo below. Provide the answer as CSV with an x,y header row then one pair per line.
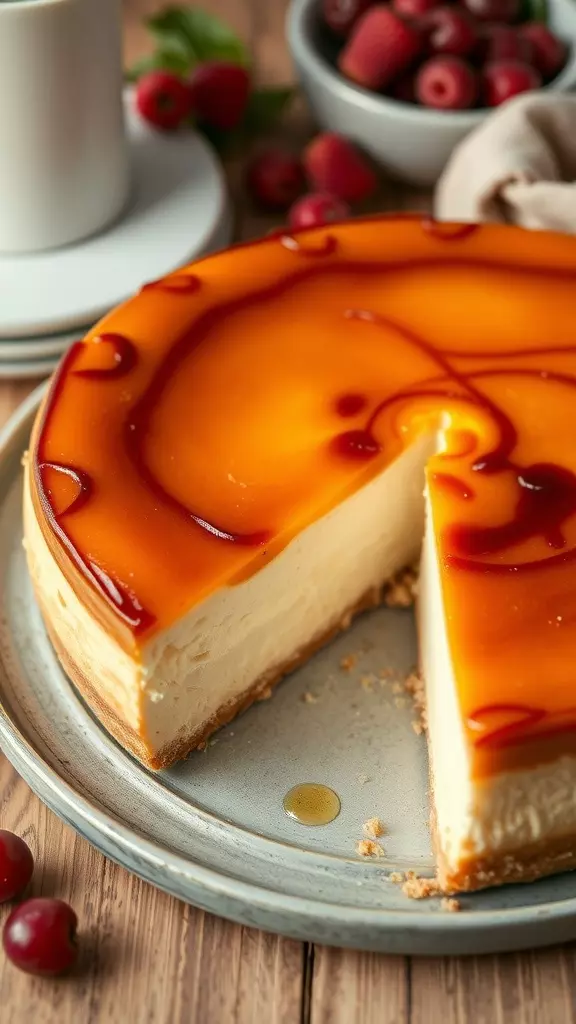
x,y
390,930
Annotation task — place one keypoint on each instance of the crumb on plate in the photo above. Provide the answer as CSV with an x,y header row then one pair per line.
x,y
417,888
449,905
348,662
373,828
368,848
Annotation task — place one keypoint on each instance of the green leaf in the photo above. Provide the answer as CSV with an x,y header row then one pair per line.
x,y
535,10
161,60
265,107
197,36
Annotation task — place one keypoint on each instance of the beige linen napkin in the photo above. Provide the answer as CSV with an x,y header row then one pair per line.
x,y
518,167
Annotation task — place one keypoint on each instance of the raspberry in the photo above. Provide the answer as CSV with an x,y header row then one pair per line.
x,y
446,83
162,99
334,165
380,47
493,10
549,52
341,15
506,78
317,208
414,8
219,94
449,31
503,42
275,179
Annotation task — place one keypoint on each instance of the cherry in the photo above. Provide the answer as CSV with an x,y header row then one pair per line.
x,y
493,10
275,179
163,99
506,78
39,937
219,93
446,83
317,208
342,15
16,865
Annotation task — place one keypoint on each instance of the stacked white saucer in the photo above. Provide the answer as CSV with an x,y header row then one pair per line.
x,y
177,211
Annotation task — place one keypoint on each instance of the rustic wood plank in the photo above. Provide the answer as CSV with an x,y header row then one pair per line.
x,y
365,988
518,988
142,951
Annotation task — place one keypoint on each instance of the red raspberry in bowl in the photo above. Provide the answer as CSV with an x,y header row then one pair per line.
x,y
414,8
446,83
341,15
449,30
503,42
317,208
506,78
549,52
493,10
381,46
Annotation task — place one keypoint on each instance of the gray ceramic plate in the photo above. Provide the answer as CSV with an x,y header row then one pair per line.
x,y
212,830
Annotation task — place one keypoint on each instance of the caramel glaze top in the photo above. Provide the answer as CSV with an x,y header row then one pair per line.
x,y
203,424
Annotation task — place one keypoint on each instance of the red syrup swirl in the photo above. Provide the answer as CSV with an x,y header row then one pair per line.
x,y
327,246
350,404
531,723
81,479
176,284
547,495
124,600
451,483
356,444
123,353
447,231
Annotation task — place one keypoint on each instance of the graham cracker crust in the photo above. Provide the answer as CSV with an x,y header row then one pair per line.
x,y
546,857
136,744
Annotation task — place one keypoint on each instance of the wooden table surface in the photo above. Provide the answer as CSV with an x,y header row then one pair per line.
x,y
145,957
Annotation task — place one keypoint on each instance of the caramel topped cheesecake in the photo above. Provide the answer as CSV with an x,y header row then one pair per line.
x,y
232,464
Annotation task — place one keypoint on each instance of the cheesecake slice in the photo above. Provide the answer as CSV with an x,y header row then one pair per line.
x,y
231,465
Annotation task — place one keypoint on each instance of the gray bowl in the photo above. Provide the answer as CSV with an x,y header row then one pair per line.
x,y
411,143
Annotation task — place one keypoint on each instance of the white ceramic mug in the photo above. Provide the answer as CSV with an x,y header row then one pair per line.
x,y
64,170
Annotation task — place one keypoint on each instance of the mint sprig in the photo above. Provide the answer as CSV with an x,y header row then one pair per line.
x,y
187,36
265,107
535,10
197,35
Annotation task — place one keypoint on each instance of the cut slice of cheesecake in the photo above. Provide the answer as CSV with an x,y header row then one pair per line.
x,y
165,698
231,465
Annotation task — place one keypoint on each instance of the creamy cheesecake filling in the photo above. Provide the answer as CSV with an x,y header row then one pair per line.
x,y
222,647
92,648
499,813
